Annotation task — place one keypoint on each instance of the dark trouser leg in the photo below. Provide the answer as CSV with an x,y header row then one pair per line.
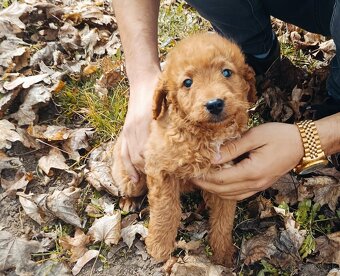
x,y
244,21
333,84
248,21
311,15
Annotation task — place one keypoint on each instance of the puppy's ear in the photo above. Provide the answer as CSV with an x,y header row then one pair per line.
x,y
159,99
249,76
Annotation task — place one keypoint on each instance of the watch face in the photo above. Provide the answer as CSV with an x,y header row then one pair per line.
x,y
311,168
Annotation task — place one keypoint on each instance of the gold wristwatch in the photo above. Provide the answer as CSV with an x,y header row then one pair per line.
x,y
315,157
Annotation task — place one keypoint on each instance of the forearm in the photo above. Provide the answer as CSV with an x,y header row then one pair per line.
x,y
137,23
329,132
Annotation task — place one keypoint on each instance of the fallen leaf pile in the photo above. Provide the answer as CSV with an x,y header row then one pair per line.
x,y
57,187
291,88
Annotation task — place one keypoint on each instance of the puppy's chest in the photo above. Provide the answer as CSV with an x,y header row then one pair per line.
x,y
196,161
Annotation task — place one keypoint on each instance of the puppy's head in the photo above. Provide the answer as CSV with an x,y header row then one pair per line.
x,y
206,80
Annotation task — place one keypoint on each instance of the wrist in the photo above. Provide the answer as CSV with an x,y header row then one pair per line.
x,y
143,77
329,132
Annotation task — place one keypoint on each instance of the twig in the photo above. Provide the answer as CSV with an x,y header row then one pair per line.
x,y
95,261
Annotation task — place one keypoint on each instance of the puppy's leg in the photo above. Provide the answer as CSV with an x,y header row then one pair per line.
x,y
165,215
221,221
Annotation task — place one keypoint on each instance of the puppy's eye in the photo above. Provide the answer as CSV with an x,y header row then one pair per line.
x,y
187,83
226,73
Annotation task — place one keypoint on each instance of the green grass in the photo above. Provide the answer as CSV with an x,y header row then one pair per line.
x,y
298,57
80,103
5,4
177,21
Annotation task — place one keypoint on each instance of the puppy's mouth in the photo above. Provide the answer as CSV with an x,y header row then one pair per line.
x,y
217,119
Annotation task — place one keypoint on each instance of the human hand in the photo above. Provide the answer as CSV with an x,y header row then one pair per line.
x,y
136,127
274,149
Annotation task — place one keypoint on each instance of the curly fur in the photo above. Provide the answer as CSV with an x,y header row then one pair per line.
x,y
185,137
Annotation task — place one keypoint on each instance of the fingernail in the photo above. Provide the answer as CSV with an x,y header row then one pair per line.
x,y
217,158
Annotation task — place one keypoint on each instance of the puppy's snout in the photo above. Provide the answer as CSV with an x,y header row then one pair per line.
x,y
215,106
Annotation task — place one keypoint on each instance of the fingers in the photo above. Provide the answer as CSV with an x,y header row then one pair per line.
x,y
236,148
227,190
239,197
243,171
235,192
132,172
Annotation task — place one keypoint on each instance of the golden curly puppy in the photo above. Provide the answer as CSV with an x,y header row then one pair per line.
x,y
200,103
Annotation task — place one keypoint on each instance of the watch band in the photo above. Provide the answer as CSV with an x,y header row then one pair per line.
x,y
310,139
314,156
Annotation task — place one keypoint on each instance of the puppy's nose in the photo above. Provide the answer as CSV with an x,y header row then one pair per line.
x,y
215,106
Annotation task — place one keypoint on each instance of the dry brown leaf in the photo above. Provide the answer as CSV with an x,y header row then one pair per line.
x,y
10,23
77,244
69,37
25,82
31,208
287,189
16,253
77,140
328,249
291,238
73,67
90,69
27,140
328,49
188,246
261,207
90,13
52,268
45,54
9,162
296,99
326,189
56,133
89,39
279,248
44,207
11,48
295,36
129,220
106,228
36,97
313,39
6,100
99,174
129,233
20,184
49,132
22,61
259,247
108,45
74,17
196,265
334,272
58,86
8,134
88,256
62,205
54,159
37,131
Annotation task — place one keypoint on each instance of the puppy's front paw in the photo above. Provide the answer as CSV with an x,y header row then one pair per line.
x,y
157,249
130,204
224,257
